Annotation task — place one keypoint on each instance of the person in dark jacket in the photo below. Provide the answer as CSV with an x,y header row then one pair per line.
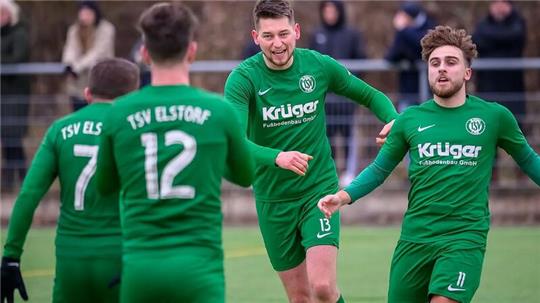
x,y
15,91
502,34
339,41
411,23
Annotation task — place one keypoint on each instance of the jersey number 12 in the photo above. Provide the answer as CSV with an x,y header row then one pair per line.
x,y
165,189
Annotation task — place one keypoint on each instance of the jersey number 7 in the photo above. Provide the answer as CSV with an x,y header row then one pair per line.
x,y
88,171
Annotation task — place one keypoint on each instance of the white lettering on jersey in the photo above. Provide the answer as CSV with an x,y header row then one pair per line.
x,y
286,111
457,151
140,118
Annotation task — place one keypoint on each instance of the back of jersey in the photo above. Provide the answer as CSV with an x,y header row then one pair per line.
x,y
170,148
83,212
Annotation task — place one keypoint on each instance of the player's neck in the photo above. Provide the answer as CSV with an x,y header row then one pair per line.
x,y
170,75
456,100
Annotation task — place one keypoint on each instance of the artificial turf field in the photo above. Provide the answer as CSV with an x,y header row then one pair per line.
x,y
511,268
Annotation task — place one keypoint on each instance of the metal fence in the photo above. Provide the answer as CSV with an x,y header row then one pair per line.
x,y
360,148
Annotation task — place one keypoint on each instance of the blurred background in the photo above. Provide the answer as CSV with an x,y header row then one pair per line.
x,y
382,53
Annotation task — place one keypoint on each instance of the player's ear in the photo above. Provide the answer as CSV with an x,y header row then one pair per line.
x,y
191,52
297,31
255,35
468,73
88,95
145,56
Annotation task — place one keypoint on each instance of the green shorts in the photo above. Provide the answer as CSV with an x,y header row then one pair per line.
x,y
289,229
421,270
193,276
86,279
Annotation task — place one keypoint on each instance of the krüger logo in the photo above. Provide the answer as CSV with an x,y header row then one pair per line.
x,y
439,149
274,113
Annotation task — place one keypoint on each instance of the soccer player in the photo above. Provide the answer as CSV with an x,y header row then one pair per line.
x,y
452,140
280,95
88,241
167,148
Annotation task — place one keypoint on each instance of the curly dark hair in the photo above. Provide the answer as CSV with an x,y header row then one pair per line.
x,y
445,35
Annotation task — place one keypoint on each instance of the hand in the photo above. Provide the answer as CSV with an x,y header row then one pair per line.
x,y
332,203
11,280
381,138
294,161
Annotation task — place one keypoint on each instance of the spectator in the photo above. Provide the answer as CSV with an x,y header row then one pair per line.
x,y
89,39
336,39
502,34
250,49
411,23
15,91
136,57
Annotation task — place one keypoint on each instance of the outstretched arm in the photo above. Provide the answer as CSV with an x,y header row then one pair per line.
x,y
367,181
512,140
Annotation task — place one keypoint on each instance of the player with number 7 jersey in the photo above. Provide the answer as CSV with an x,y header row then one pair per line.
x,y
88,240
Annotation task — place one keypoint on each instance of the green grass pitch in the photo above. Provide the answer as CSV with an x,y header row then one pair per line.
x,y
511,269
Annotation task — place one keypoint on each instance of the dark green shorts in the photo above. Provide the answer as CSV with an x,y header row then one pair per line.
x,y
86,279
178,277
289,229
420,270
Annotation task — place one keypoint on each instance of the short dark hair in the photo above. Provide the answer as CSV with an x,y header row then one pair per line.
x,y
112,78
445,35
272,9
167,29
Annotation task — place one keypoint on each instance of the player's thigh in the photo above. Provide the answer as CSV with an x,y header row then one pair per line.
x,y
410,272
183,278
279,223
86,279
456,274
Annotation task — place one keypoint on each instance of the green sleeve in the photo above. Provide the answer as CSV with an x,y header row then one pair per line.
x,y
512,140
240,164
392,152
342,82
107,180
371,177
39,178
239,92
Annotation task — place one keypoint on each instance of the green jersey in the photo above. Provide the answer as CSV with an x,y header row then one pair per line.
x,y
89,222
452,151
283,110
167,148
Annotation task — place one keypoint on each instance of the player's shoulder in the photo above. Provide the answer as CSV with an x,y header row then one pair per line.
x,y
305,54
487,105
250,65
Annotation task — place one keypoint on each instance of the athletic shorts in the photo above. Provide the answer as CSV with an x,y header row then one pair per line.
x,y
289,229
86,279
450,269
194,277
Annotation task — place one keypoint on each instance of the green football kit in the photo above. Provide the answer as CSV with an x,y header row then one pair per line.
x,y
283,110
167,149
444,231
88,237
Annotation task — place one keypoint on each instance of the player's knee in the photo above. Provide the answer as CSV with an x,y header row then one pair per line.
x,y
441,299
324,291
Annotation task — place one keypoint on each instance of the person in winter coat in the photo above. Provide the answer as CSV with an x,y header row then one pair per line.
x,y
340,41
502,34
411,23
15,91
89,39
